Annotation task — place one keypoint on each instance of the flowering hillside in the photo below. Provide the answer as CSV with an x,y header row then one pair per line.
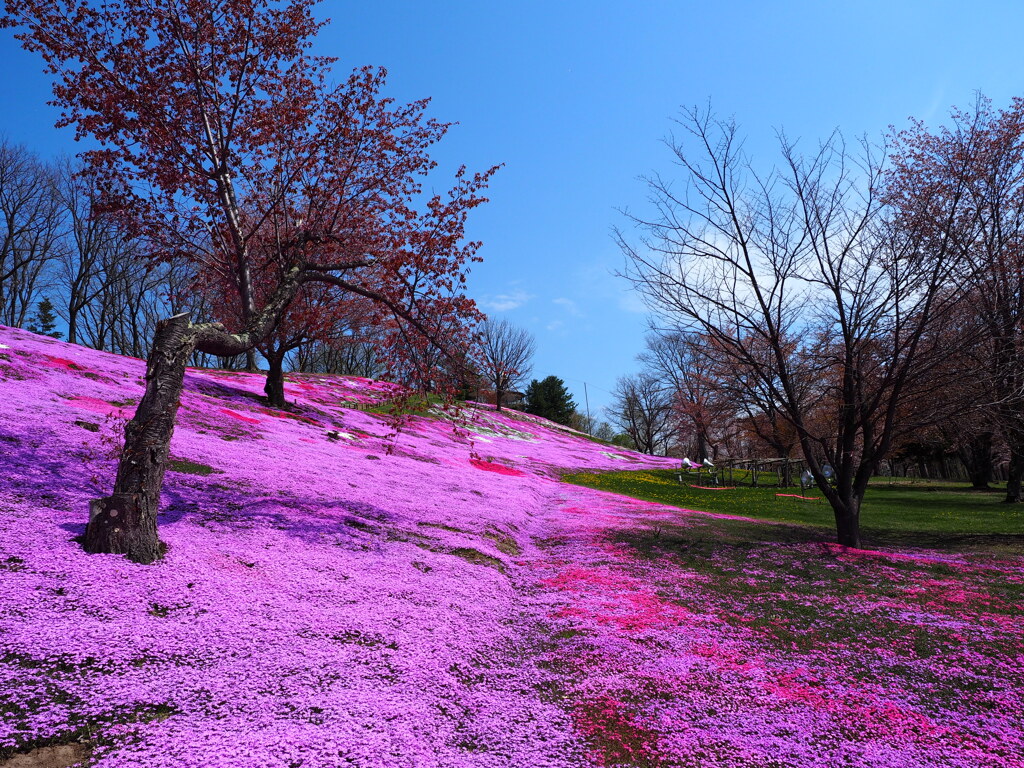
x,y
339,594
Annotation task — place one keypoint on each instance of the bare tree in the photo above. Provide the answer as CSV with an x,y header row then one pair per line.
x,y
505,354
129,298
350,351
30,227
643,410
795,277
91,240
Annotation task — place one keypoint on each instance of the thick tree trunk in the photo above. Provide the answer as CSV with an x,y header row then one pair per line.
x,y
845,498
977,458
848,523
702,448
125,522
274,386
250,362
1016,474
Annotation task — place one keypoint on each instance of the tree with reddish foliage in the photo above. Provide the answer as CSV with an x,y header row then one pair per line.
x,y
352,348
411,334
963,185
684,364
315,314
220,140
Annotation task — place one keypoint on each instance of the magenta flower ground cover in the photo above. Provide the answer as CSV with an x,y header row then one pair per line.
x,y
339,593
706,641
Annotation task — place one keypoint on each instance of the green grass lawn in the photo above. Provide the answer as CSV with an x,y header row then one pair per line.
x,y
898,513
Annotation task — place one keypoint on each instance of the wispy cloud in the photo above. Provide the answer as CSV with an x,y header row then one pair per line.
x,y
568,305
600,281
505,302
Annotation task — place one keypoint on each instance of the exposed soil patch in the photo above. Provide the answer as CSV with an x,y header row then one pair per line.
x,y
62,756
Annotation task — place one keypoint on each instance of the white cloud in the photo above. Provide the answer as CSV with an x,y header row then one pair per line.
x,y
505,302
569,305
600,281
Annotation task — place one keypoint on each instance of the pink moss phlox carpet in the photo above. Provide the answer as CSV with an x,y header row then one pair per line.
x,y
339,594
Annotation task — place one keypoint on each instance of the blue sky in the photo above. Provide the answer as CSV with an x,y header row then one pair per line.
x,y
575,97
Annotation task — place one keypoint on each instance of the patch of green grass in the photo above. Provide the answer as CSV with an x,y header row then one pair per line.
x,y
569,634
88,425
477,557
935,515
191,467
505,544
443,527
413,405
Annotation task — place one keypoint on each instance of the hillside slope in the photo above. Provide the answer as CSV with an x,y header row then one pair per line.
x,y
336,594
333,593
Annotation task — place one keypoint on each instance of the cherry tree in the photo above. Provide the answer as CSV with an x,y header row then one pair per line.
x,y
313,315
220,139
963,185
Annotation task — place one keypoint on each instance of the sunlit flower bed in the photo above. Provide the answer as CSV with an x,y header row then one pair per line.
x,y
340,590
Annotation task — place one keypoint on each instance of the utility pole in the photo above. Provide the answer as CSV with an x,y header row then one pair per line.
x,y
586,398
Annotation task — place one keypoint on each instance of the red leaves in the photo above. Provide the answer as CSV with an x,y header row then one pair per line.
x,y
222,142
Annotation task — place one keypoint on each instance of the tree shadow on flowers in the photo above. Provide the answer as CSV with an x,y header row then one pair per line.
x,y
333,521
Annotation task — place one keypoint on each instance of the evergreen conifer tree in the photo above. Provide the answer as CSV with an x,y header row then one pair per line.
x,y
44,321
550,399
